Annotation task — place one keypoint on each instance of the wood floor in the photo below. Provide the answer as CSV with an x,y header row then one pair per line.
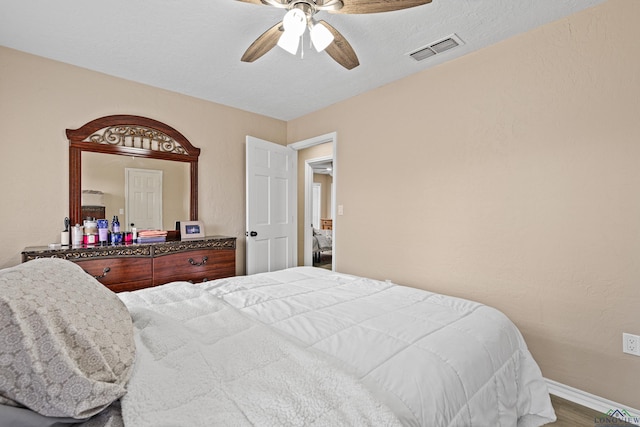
x,y
571,414
324,261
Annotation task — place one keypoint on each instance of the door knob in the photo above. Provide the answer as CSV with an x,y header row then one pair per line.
x,y
253,234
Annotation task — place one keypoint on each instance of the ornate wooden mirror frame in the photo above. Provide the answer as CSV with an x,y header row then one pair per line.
x,y
129,136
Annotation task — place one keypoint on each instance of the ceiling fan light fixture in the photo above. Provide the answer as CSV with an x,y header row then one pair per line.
x,y
289,42
321,37
294,23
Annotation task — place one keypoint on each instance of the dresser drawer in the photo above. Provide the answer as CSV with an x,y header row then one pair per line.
x,y
130,267
120,274
195,266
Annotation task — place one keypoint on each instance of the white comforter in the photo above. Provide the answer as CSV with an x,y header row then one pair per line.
x,y
200,362
435,360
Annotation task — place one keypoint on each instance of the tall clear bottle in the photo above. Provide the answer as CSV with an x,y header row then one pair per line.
x,y
115,225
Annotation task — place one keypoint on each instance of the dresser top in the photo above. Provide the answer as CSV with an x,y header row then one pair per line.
x,y
128,249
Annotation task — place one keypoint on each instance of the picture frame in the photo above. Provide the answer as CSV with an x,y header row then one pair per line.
x,y
191,230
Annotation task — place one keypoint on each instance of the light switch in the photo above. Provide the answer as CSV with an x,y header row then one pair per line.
x,y
340,210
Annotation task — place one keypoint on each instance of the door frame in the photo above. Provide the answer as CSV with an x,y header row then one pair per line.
x,y
308,236
316,204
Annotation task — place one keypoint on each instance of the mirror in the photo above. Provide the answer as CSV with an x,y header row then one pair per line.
x,y
105,174
139,139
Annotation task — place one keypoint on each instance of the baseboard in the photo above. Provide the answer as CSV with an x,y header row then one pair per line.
x,y
592,401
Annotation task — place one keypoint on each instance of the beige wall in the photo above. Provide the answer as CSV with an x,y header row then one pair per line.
x,y
512,177
40,98
325,180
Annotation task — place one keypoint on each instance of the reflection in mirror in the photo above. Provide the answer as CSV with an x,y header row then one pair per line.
x,y
106,174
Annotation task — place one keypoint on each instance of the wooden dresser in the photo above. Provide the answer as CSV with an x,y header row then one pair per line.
x,y
136,266
326,224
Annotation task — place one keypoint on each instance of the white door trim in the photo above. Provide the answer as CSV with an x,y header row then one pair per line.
x,y
300,145
316,203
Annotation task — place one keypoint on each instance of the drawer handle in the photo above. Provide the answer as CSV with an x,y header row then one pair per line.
x,y
104,273
198,264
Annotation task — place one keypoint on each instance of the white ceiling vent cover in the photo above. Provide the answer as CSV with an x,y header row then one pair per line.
x,y
437,47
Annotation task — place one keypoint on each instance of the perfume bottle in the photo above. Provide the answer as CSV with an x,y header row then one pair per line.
x,y
115,225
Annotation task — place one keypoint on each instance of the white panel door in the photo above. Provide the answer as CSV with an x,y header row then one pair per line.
x,y
316,204
271,206
143,199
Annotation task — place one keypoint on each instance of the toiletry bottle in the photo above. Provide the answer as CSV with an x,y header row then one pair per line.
x,y
90,236
76,235
103,231
115,225
64,235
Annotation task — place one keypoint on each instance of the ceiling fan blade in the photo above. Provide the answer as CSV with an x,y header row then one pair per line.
x,y
263,44
282,4
252,1
340,49
377,6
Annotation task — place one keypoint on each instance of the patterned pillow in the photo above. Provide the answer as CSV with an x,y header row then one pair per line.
x,y
66,341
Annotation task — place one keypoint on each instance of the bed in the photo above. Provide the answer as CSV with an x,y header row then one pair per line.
x,y
322,242
303,346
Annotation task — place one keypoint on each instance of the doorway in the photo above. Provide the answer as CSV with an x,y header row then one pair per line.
x,y
319,188
310,151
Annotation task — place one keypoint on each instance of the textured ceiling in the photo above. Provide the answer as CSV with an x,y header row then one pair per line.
x,y
194,47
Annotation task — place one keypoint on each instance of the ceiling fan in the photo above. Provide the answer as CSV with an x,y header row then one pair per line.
x,y
299,17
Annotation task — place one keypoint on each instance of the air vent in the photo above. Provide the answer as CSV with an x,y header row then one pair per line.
x,y
437,47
